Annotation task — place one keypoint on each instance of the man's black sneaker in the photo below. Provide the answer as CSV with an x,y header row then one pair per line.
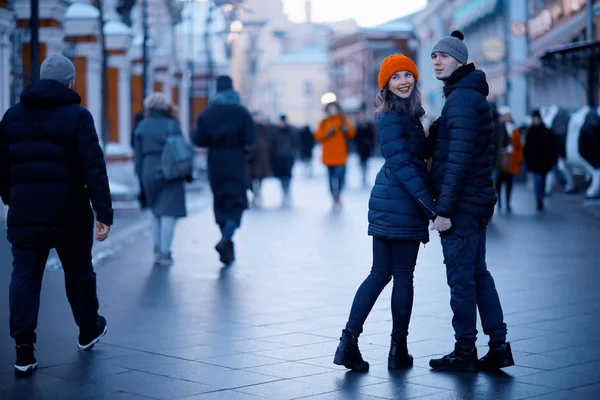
x,y
499,356
459,360
348,354
90,336
225,250
26,361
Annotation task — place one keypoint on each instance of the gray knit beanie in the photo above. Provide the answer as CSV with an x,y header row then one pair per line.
x,y
454,46
58,68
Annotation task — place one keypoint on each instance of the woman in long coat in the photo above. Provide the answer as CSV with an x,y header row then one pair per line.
x,y
166,199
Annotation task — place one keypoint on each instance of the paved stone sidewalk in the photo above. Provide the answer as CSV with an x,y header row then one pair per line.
x,y
268,326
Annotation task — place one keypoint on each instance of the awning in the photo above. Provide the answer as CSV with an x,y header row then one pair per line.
x,y
573,55
472,12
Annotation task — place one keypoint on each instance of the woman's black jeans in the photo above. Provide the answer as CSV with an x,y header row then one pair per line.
x,y
391,258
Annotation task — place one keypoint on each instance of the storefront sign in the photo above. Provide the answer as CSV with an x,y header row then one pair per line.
x,y
493,49
546,19
518,28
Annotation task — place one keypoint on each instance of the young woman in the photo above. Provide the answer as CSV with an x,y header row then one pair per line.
x,y
399,209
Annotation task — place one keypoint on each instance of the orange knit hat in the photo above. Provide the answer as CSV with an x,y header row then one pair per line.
x,y
393,64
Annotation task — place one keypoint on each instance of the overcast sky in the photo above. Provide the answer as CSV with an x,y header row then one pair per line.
x,y
365,12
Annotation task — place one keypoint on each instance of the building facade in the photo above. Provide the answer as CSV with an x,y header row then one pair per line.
x,y
354,62
507,39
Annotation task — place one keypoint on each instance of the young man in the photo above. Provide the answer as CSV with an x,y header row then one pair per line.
x,y
462,184
227,130
51,167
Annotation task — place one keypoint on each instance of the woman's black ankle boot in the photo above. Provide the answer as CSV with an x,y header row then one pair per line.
x,y
399,357
348,354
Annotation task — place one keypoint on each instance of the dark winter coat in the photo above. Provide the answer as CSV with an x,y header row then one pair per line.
x,y
307,142
501,142
259,165
283,149
227,129
165,198
51,167
364,140
541,151
463,158
401,203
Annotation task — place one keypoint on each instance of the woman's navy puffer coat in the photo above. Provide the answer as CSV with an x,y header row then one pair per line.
x,y
401,202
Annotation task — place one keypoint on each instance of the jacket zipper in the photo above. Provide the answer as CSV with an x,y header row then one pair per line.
x,y
425,205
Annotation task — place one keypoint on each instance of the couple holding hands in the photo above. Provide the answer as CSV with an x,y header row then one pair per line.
x,y
457,194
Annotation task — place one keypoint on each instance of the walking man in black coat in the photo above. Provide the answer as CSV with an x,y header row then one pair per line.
x,y
227,129
51,167
462,183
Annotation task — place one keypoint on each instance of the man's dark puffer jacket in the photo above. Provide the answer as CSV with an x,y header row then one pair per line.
x,y
461,173
401,203
51,167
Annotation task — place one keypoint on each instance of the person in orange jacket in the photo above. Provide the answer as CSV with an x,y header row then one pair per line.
x,y
333,134
512,158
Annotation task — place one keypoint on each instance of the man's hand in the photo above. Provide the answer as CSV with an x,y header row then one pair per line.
x,y
344,129
101,231
331,132
441,224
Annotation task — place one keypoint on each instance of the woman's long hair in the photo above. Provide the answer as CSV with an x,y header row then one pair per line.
x,y
387,101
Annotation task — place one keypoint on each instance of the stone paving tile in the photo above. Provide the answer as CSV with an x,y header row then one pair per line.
x,y
284,389
217,377
268,326
155,386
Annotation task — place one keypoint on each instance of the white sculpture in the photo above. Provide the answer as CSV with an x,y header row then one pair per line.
x,y
578,138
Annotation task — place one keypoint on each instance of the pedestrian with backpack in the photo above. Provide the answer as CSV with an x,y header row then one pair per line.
x,y
163,161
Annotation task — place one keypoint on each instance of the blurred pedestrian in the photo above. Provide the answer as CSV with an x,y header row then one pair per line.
x,y
283,150
166,197
307,143
540,154
511,160
259,163
365,140
399,209
333,134
51,168
227,129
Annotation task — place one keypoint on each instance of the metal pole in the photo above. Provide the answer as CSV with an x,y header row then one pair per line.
x,y
528,77
592,85
191,116
34,26
507,38
209,60
589,20
104,79
144,49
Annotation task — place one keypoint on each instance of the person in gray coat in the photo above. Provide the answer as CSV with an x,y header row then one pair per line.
x,y
166,199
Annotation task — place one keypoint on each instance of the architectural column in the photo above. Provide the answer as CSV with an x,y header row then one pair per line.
x,y
6,28
51,16
118,39
518,55
161,68
82,46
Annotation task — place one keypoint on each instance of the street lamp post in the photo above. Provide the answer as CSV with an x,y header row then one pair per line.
x,y
34,26
144,49
208,48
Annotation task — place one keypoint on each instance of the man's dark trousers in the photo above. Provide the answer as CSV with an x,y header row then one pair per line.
x,y
75,252
471,284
